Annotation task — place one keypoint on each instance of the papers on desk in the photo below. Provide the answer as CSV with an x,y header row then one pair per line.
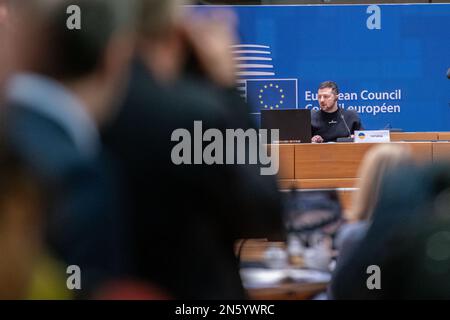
x,y
266,278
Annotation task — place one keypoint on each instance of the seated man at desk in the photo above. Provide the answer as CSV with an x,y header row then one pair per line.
x,y
331,122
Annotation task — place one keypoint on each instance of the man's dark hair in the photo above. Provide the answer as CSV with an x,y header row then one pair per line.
x,y
330,84
155,17
71,54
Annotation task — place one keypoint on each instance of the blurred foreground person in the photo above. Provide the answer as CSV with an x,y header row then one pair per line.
x,y
65,87
21,216
28,271
377,164
186,218
408,240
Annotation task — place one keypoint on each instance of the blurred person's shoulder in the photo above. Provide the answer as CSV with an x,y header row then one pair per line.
x,y
36,137
352,232
419,175
407,189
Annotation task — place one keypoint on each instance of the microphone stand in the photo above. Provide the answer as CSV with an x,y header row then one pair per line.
x,y
345,123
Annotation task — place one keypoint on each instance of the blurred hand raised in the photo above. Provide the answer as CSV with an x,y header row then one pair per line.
x,y
211,36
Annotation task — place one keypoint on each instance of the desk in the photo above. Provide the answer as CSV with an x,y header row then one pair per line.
x,y
417,136
443,135
335,165
411,136
253,251
288,291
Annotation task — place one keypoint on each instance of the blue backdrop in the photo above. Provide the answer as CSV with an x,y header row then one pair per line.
x,y
390,61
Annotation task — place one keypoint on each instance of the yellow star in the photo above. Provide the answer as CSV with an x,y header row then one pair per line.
x,y
281,102
271,108
281,90
265,87
260,96
261,90
265,106
282,96
277,86
277,106
262,102
271,85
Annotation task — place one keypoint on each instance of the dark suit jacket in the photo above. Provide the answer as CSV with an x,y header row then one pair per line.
x,y
82,222
186,218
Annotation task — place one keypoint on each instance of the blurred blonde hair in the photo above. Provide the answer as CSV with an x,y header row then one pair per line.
x,y
377,162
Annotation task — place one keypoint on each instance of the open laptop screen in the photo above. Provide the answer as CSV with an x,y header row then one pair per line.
x,y
294,124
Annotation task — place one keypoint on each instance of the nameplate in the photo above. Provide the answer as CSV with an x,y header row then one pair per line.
x,y
371,136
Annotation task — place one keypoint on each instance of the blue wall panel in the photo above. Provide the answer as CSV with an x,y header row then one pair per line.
x,y
410,53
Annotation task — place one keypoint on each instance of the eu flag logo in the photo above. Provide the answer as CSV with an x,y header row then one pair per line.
x,y
272,94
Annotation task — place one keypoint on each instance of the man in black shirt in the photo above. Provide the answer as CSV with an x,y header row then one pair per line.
x,y
331,122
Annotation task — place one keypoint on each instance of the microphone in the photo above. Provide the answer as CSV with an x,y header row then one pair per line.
x,y
448,73
345,122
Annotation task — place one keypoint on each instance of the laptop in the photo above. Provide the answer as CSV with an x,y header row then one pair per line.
x,y
294,124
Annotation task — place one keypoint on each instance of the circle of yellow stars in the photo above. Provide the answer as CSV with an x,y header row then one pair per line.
x,y
278,89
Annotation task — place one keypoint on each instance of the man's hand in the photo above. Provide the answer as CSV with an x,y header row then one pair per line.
x,y
317,139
